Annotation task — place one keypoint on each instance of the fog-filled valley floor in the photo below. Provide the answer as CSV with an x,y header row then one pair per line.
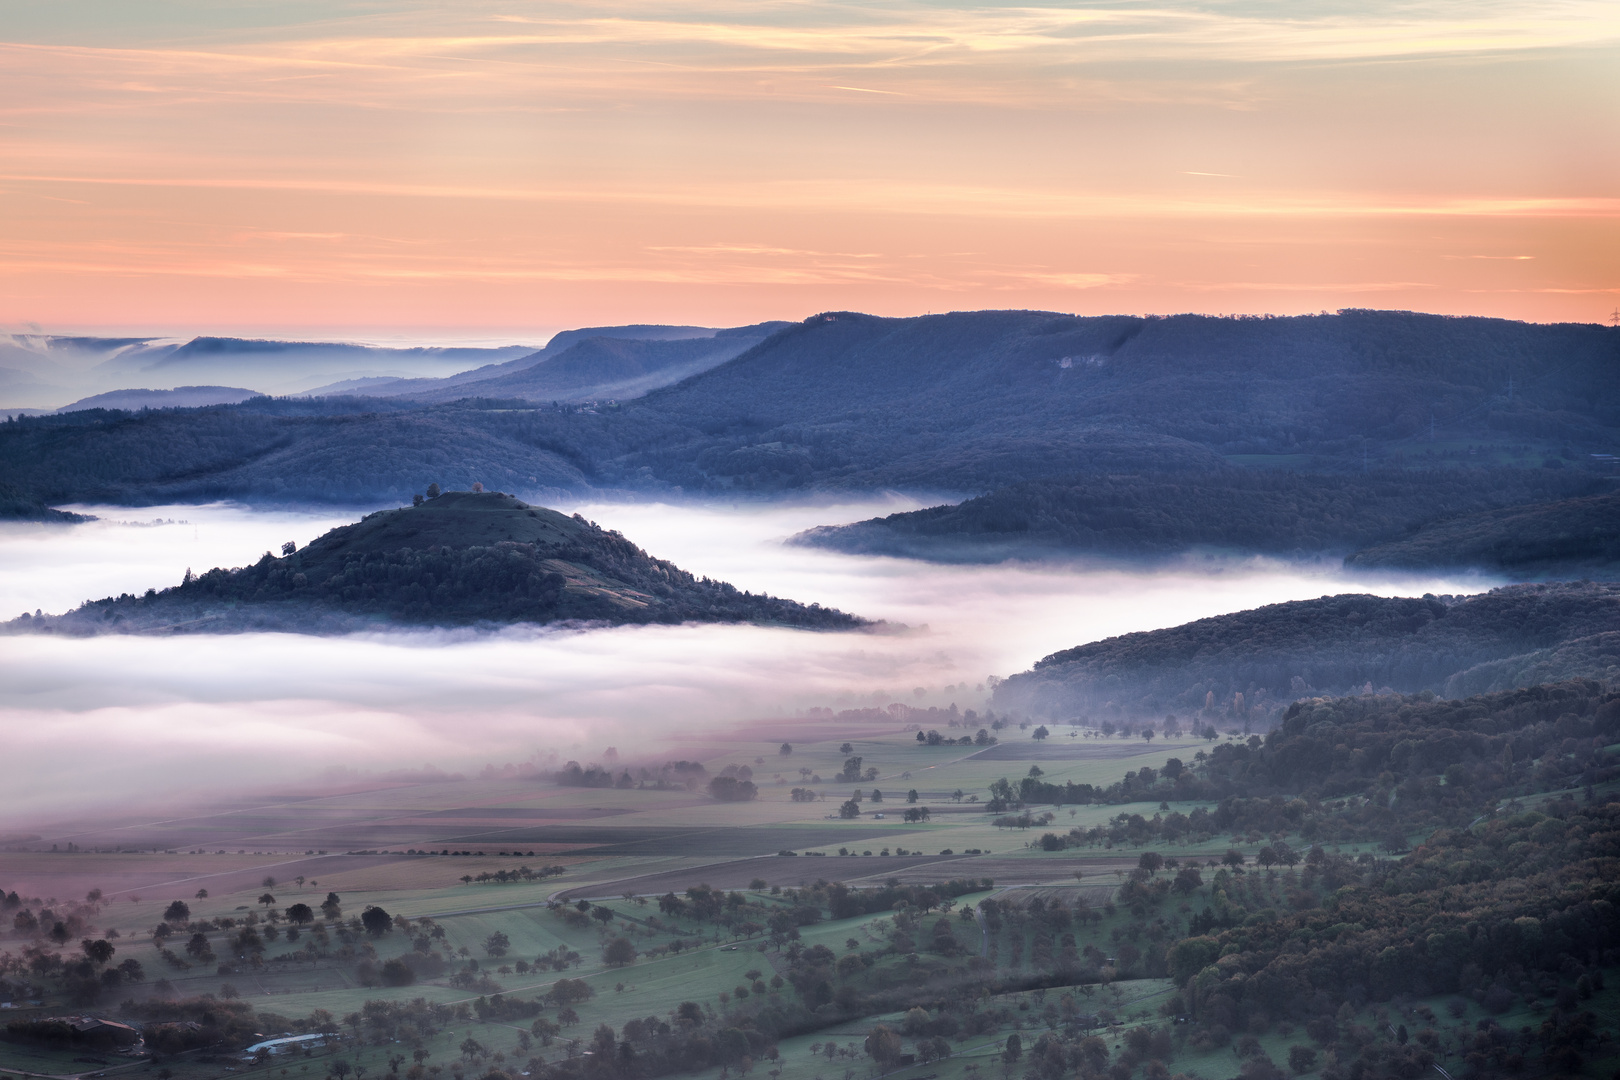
x,y
464,699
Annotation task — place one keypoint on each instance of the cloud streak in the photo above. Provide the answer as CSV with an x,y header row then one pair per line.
x,y
562,156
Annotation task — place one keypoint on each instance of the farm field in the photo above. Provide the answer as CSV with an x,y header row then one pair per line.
x,y
468,928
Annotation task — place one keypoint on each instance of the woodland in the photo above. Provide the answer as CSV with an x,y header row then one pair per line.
x,y
1247,667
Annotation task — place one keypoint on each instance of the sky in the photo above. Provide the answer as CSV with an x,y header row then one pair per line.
x,y
495,167
240,710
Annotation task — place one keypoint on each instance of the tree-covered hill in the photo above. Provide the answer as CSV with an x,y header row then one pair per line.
x,y
937,401
1568,537
329,450
970,401
1158,514
1247,667
17,505
461,558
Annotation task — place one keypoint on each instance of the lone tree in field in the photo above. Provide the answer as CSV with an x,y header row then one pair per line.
x,y
619,952
376,921
497,944
883,1045
202,894
267,900
787,750
1040,733
268,883
179,911
300,914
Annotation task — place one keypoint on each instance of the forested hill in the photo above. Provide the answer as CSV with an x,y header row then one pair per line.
x,y
1245,668
1571,537
18,505
462,558
1271,511
969,401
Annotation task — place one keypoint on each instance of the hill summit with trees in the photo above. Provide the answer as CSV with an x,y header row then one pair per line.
x,y
455,559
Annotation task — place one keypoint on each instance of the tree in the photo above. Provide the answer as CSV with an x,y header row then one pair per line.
x,y
912,796
177,912
202,894
1151,861
1040,733
99,951
883,1045
433,491
1301,1059
603,915
497,944
1233,858
331,908
267,900
877,796
786,750
1013,1050
850,810
199,948
268,883
376,921
846,748
619,952
300,914
1267,857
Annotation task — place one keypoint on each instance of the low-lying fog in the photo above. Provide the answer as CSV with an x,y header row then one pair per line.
x,y
96,721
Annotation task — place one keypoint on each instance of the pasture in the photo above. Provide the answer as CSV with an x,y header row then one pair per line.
x,y
584,867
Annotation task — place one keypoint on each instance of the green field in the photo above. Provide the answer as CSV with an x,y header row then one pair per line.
x,y
487,956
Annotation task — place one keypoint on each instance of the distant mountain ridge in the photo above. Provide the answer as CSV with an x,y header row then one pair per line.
x,y
181,397
462,558
47,371
593,367
963,403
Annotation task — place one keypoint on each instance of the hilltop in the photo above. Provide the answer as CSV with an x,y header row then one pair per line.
x,y
462,558
1247,667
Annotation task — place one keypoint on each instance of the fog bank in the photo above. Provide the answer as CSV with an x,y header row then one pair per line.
x,y
108,719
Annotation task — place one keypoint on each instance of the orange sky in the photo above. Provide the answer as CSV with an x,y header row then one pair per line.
x,y
504,168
